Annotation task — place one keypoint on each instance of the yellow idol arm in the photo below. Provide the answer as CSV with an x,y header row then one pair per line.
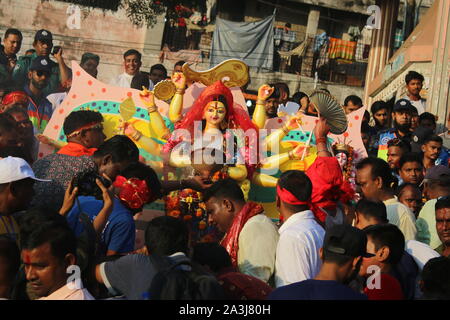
x,y
264,180
238,173
259,115
276,160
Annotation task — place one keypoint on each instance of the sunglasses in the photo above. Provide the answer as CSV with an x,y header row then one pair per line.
x,y
40,73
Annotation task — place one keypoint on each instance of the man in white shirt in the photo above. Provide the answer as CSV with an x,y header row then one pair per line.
x,y
301,237
132,64
251,237
49,256
414,83
375,180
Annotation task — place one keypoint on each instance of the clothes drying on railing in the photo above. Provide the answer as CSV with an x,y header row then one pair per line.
x,y
339,48
298,51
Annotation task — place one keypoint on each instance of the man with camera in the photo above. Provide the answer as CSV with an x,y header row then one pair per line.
x,y
109,158
59,72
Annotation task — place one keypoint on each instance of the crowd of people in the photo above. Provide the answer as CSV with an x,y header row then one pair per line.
x,y
67,230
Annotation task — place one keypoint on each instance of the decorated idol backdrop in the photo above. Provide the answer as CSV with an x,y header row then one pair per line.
x,y
116,105
351,138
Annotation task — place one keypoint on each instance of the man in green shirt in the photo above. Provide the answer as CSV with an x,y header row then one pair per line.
x,y
60,73
436,184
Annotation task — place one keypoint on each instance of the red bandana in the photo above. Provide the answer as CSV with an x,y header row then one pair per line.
x,y
133,192
231,240
15,96
76,150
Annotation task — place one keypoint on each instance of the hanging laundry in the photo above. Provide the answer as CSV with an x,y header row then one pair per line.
x,y
339,48
320,40
323,55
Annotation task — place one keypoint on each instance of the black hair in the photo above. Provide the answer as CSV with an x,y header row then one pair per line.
x,y
224,189
77,119
402,144
284,87
166,235
379,168
442,203
434,138
11,253
298,96
410,157
61,238
276,94
212,254
159,67
353,99
120,147
143,172
297,183
372,209
377,106
365,127
427,116
132,52
17,152
37,216
180,63
436,279
140,80
30,50
14,32
388,235
7,122
403,186
16,108
413,75
89,56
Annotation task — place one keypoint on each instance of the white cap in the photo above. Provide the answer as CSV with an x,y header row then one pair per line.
x,y
14,169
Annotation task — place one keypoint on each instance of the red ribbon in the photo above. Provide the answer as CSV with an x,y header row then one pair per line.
x,y
133,192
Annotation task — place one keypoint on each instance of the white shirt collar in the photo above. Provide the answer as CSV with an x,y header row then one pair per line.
x,y
295,218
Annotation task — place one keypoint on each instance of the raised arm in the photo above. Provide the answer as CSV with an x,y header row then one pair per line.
x,y
147,143
157,125
272,141
176,105
259,115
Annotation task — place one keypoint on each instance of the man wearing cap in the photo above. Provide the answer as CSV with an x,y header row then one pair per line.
x,y
16,192
59,72
343,249
401,116
436,184
39,108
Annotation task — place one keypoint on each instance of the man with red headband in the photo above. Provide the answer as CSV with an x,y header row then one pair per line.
x,y
250,236
84,132
305,201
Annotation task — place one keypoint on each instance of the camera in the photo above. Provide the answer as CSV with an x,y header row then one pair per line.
x,y
87,186
56,49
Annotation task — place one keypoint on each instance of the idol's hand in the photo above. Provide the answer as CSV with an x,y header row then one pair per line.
x,y
147,97
179,80
264,92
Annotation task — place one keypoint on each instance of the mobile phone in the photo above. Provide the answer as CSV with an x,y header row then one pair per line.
x,y
56,49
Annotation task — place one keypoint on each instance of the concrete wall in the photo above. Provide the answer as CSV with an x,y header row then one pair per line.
x,y
108,34
305,84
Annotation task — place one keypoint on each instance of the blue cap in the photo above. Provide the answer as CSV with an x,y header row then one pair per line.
x,y
41,64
